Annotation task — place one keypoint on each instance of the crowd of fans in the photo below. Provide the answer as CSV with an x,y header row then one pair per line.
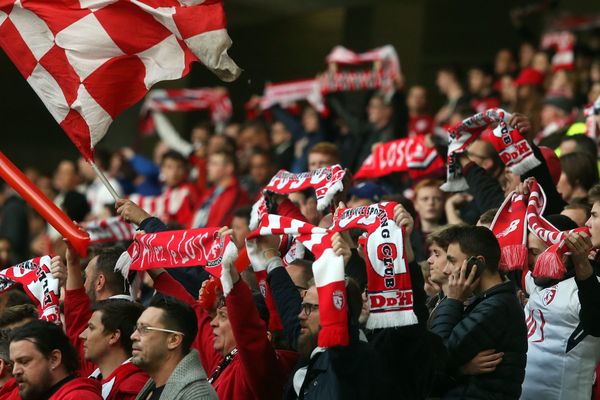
x,y
481,334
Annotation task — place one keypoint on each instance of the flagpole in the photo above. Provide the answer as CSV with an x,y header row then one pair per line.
x,y
105,181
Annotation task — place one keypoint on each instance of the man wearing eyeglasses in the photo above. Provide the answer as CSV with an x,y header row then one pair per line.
x,y
162,347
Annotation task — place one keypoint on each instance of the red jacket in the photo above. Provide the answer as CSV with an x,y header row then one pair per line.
x,y
78,312
125,382
221,206
420,125
258,371
129,378
78,389
10,390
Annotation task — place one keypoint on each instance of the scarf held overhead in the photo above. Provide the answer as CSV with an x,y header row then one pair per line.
x,y
519,215
390,292
410,155
181,248
39,284
509,143
109,230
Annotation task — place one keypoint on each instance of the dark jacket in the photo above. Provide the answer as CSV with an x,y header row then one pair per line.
x,y
493,320
345,372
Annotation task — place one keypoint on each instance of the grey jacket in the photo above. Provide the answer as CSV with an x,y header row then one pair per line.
x,y
187,382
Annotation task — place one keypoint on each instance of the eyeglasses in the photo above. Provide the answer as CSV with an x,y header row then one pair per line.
x,y
144,329
307,308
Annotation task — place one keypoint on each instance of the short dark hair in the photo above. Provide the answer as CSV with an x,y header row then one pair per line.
x,y
580,204
107,259
443,236
48,337
177,316
243,212
174,155
479,241
4,346
594,195
120,315
583,143
15,314
229,158
580,169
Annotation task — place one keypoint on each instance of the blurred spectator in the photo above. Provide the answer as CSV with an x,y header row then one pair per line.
x,y
480,81
96,193
364,194
216,207
579,174
420,121
449,85
323,154
260,172
14,224
283,145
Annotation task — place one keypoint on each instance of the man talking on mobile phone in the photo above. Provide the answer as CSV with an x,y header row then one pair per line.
x,y
492,319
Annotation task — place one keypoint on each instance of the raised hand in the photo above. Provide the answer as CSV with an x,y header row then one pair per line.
x,y
130,211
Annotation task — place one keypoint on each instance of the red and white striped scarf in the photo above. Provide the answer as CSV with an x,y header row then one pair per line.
x,y
326,182
181,248
175,204
390,292
109,230
513,149
383,75
563,42
289,92
519,215
215,100
410,155
39,284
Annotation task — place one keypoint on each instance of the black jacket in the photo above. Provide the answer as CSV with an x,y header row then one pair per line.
x,y
493,320
345,372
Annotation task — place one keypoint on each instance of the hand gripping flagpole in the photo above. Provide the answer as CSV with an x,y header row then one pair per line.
x,y
104,181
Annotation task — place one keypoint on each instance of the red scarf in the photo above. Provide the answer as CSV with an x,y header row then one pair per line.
x,y
519,215
182,248
39,284
410,155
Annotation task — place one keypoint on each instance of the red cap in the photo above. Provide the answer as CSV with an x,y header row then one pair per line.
x,y
553,163
529,76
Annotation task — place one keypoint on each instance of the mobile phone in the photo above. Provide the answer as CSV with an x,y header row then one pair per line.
x,y
470,263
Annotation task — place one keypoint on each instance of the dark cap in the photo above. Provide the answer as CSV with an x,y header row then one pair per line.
x,y
561,102
368,190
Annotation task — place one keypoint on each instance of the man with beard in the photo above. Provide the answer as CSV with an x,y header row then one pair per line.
x,y
45,365
345,372
162,347
107,344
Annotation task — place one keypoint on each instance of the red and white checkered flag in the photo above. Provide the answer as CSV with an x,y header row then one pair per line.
x,y
89,60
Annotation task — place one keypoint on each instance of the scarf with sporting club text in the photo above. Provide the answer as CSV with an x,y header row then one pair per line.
x,y
389,286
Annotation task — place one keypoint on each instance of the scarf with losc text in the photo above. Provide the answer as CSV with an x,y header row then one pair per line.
x,y
182,248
